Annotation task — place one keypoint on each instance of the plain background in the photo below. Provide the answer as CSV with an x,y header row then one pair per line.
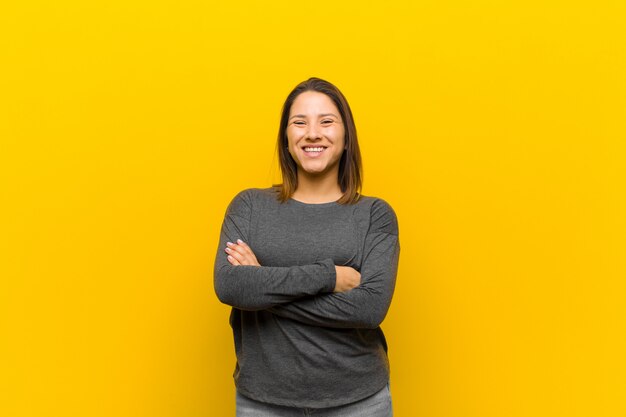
x,y
496,130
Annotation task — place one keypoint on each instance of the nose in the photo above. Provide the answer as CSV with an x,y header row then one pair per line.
x,y
313,132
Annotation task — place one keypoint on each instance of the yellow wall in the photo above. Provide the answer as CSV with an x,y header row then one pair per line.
x,y
495,129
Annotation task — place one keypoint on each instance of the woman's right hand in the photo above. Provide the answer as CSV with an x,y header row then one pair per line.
x,y
347,278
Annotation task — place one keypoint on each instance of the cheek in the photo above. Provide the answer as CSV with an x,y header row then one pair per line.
x,y
292,136
340,136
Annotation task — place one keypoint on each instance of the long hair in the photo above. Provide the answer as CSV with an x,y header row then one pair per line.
x,y
350,166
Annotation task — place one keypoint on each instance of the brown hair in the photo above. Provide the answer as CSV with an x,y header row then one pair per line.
x,y
350,166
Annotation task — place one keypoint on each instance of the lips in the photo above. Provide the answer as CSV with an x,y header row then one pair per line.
x,y
314,151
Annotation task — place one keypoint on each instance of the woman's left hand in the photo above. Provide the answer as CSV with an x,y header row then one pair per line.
x,y
240,254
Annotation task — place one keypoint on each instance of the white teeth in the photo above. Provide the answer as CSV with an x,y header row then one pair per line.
x,y
308,149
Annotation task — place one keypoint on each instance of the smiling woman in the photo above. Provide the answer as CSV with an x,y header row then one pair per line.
x,y
315,135
316,113
309,267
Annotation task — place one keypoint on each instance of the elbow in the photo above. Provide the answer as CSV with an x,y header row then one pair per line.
x,y
236,296
371,309
223,285
369,323
228,296
223,292
370,319
224,298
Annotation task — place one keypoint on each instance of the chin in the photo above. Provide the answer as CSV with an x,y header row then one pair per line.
x,y
314,170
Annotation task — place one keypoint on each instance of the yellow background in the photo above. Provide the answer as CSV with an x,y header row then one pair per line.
x,y
496,130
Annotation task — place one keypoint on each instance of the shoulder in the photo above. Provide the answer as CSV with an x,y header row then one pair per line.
x,y
382,216
247,198
242,202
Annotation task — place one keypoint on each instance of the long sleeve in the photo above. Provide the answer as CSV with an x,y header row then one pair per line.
x,y
248,287
366,305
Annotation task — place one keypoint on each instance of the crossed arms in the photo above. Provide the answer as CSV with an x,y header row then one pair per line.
x,y
306,292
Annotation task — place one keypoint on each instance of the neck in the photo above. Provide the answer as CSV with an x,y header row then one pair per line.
x,y
319,188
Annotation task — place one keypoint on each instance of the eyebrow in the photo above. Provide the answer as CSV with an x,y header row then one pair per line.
x,y
321,115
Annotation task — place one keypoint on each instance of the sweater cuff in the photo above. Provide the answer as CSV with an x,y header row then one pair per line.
x,y
330,275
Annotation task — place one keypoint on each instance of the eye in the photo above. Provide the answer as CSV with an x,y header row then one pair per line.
x,y
298,122
327,121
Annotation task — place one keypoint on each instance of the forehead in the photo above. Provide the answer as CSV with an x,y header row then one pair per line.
x,y
313,102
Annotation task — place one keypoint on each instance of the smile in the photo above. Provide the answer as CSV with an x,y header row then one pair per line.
x,y
312,151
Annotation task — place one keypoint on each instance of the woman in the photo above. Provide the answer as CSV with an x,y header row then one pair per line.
x,y
309,267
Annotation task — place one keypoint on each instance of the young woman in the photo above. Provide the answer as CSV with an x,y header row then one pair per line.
x,y
309,267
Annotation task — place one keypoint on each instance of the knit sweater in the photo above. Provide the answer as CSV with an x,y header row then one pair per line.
x,y
297,342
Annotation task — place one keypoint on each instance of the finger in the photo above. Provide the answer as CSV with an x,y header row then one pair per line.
x,y
233,254
236,248
239,251
247,256
241,255
232,260
247,248
244,244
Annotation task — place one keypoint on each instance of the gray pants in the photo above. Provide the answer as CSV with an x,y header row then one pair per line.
x,y
377,405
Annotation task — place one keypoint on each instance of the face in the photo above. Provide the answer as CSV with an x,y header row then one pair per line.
x,y
315,133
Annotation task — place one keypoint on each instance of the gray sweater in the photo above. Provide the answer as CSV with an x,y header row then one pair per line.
x,y
297,343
